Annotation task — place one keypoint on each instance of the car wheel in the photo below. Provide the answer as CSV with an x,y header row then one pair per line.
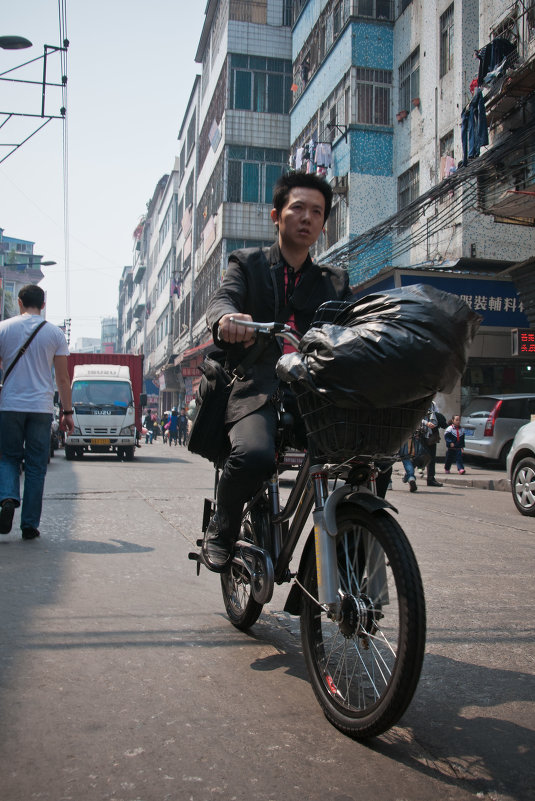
x,y
523,486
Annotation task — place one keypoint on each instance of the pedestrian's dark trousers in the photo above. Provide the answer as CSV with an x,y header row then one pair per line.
x,y
251,462
431,467
454,454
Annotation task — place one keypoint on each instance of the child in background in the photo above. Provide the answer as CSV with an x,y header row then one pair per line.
x,y
454,438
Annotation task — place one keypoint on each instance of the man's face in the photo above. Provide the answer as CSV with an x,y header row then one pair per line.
x,y
301,218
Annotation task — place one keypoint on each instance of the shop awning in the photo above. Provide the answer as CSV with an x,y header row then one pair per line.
x,y
194,352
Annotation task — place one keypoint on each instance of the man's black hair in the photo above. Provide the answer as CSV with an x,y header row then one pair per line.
x,y
32,296
307,180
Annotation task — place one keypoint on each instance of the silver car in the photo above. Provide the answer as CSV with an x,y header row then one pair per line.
x,y
521,469
490,423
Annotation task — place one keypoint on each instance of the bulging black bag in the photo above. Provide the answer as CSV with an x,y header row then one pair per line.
x,y
389,348
208,436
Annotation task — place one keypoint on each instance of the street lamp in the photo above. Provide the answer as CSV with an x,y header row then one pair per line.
x,y
14,43
17,265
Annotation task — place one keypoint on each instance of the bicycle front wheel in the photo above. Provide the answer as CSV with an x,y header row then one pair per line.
x,y
364,668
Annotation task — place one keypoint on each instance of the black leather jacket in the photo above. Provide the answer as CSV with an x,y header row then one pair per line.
x,y
254,284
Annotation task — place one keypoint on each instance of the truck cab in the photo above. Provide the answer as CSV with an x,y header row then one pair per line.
x,y
104,412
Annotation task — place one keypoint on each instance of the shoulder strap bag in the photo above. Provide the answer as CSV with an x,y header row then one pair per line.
x,y
21,352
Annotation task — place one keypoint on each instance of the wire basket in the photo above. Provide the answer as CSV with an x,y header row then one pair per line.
x,y
336,434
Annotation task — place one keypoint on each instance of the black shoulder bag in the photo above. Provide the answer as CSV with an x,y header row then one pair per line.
x,y
21,352
208,436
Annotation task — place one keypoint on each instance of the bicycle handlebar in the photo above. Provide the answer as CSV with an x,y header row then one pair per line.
x,y
273,329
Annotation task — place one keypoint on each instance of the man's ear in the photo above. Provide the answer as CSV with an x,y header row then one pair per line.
x,y
275,216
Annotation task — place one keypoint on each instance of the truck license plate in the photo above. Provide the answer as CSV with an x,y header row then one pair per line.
x,y
100,442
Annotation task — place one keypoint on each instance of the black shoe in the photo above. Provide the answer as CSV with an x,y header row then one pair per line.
x,y
6,516
412,484
434,483
216,548
29,533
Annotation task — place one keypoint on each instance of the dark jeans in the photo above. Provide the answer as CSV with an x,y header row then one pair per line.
x,y
25,435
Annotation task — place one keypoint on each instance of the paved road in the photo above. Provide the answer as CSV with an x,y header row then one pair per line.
x,y
121,679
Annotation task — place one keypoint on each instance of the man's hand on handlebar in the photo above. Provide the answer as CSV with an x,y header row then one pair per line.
x,y
231,331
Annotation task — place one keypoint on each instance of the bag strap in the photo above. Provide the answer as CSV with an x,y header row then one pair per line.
x,y
22,351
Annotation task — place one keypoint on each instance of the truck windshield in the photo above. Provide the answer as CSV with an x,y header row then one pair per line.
x,y
101,393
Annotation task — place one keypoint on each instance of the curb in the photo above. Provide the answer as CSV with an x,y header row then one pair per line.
x,y
500,483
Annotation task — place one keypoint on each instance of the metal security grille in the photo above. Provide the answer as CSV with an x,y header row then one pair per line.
x,y
373,96
409,80
446,41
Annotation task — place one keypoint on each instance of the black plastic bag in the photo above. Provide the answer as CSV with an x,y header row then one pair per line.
x,y
386,349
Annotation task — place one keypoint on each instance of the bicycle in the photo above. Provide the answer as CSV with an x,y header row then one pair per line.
x,y
358,589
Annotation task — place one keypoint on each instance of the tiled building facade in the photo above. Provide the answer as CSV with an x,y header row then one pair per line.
x,y
376,95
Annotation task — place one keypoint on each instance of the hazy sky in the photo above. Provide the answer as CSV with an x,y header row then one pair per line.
x,y
130,73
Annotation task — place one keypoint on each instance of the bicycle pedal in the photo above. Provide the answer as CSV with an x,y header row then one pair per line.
x,y
199,543
196,557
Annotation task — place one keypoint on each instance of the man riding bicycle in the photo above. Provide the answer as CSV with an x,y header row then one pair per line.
x,y
262,284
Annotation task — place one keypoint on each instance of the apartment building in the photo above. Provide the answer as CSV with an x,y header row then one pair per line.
x,y
419,114
19,265
234,143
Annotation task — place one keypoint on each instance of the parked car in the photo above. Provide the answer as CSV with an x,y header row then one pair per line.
x,y
491,422
521,469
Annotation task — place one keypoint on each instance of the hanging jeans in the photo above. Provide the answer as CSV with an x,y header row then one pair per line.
x,y
474,130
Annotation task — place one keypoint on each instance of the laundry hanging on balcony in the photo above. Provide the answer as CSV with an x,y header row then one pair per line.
x,y
474,128
312,157
494,58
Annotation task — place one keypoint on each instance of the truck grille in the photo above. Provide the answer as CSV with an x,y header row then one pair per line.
x,y
89,431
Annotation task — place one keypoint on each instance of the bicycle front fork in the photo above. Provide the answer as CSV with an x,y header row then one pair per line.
x,y
325,545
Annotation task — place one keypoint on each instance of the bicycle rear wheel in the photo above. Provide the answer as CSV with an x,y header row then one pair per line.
x,y
242,609
364,668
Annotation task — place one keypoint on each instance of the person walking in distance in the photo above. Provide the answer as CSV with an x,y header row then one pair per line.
x,y
182,427
277,283
27,406
430,422
173,426
454,438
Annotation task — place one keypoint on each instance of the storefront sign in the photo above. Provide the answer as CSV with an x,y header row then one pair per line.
x,y
523,342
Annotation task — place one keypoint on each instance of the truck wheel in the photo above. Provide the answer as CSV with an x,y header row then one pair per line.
x,y
69,453
129,454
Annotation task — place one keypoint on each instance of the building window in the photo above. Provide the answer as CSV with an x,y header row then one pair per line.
x,y
376,9
287,13
252,173
188,194
446,145
446,41
336,225
408,186
373,98
333,111
409,80
337,18
260,84
190,139
248,11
